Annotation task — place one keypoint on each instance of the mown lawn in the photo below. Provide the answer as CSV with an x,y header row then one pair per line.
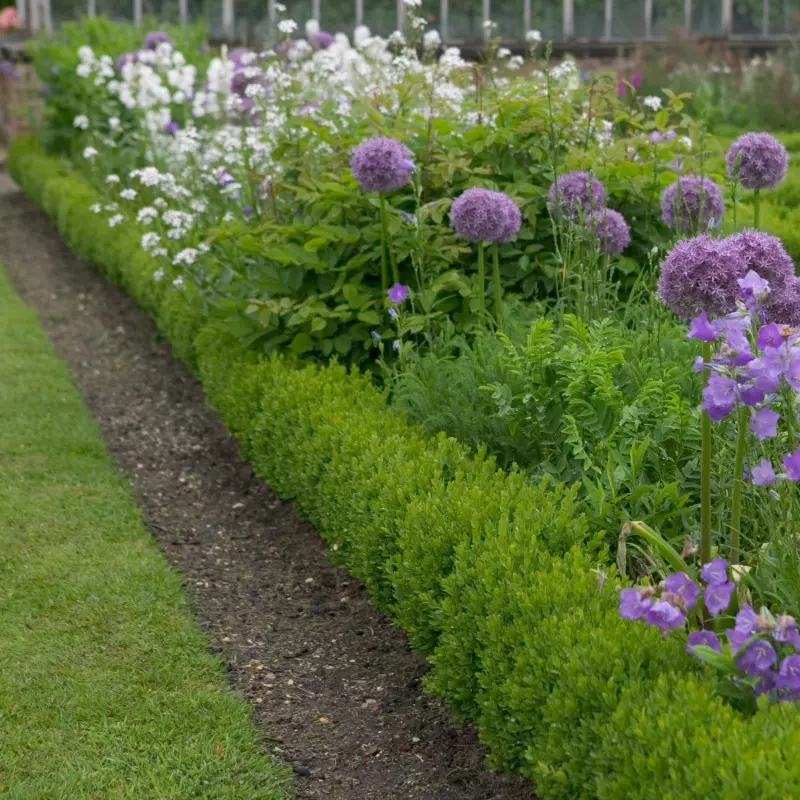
x,y
107,687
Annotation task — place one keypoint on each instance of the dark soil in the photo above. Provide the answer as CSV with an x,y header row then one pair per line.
x,y
332,684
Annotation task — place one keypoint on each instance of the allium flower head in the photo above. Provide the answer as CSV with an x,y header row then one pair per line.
x,y
701,274
610,229
783,305
321,40
481,215
126,58
766,255
382,164
575,194
692,204
154,39
760,160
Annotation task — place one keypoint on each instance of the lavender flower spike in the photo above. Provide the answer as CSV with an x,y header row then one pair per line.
x,y
759,159
610,229
575,194
481,215
382,164
692,204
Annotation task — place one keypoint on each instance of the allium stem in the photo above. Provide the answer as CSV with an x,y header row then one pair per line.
x,y
384,237
498,291
757,209
387,240
481,280
738,481
705,477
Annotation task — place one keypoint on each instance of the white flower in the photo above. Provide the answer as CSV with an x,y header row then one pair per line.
x,y
503,52
533,37
431,40
146,215
115,220
312,28
150,240
81,121
86,54
96,208
128,194
158,275
228,216
516,62
279,7
686,142
112,179
160,202
113,123
178,282
89,152
412,3
652,102
83,70
159,251
360,35
187,256
287,26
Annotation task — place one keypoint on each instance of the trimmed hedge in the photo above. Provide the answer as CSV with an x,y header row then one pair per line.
x,y
484,570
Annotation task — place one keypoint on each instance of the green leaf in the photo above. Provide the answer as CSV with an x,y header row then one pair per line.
x,y
301,343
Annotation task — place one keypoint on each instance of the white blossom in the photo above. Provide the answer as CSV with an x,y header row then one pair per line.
x,y
89,152
150,240
128,194
287,26
115,220
112,178
81,122
652,102
178,283
158,275
187,256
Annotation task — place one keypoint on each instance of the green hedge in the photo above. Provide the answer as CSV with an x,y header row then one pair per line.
x,y
484,570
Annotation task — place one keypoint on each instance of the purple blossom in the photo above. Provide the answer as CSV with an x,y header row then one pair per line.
x,y
763,474
758,658
633,604
751,395
791,463
655,137
783,305
764,423
241,56
716,571
765,254
717,597
393,313
481,215
610,229
172,127
701,274
744,628
759,159
575,194
769,336
382,164
321,40
707,638
700,328
126,58
375,335
692,204
754,288
719,396
699,365
154,39
789,674
786,631
398,292
396,344
670,135
247,210
681,585
665,615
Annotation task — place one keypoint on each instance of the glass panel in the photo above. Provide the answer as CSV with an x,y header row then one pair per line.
x,y
547,17
784,17
628,19
338,16
668,19
465,21
590,16
119,10
707,17
747,17
380,16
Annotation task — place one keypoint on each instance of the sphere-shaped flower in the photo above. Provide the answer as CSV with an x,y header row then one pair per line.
x,y
382,164
692,204
701,274
759,159
321,40
610,229
783,305
481,215
766,255
154,39
575,194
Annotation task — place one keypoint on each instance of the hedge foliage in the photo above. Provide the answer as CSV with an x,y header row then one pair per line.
x,y
485,571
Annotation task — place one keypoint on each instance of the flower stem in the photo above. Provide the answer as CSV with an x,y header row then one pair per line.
x,y
498,292
481,280
388,240
705,477
757,209
738,469
384,237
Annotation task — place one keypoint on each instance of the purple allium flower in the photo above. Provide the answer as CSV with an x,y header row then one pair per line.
x,y
126,58
700,328
241,56
172,127
770,336
763,474
681,585
764,423
791,463
665,615
633,604
321,40
717,597
480,215
611,230
760,160
398,293
154,39
758,657
707,638
692,204
783,306
789,673
382,164
719,396
575,194
701,274
786,631
716,571
766,255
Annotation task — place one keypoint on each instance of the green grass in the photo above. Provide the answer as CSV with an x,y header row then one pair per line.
x,y
107,688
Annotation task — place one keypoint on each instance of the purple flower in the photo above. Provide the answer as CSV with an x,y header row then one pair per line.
x,y
481,215
700,328
786,631
717,597
692,204
759,159
225,178
770,336
382,164
716,571
707,638
670,135
611,230
393,313
681,585
575,194
719,396
633,604
655,137
754,289
751,395
247,210
701,274
763,474
764,423
758,657
172,127
375,335
744,628
154,39
396,344
409,218
783,305
766,255
126,58
398,293
665,615
321,40
789,673
241,56
791,464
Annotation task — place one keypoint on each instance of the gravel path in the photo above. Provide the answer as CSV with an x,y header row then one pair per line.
x,y
332,683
